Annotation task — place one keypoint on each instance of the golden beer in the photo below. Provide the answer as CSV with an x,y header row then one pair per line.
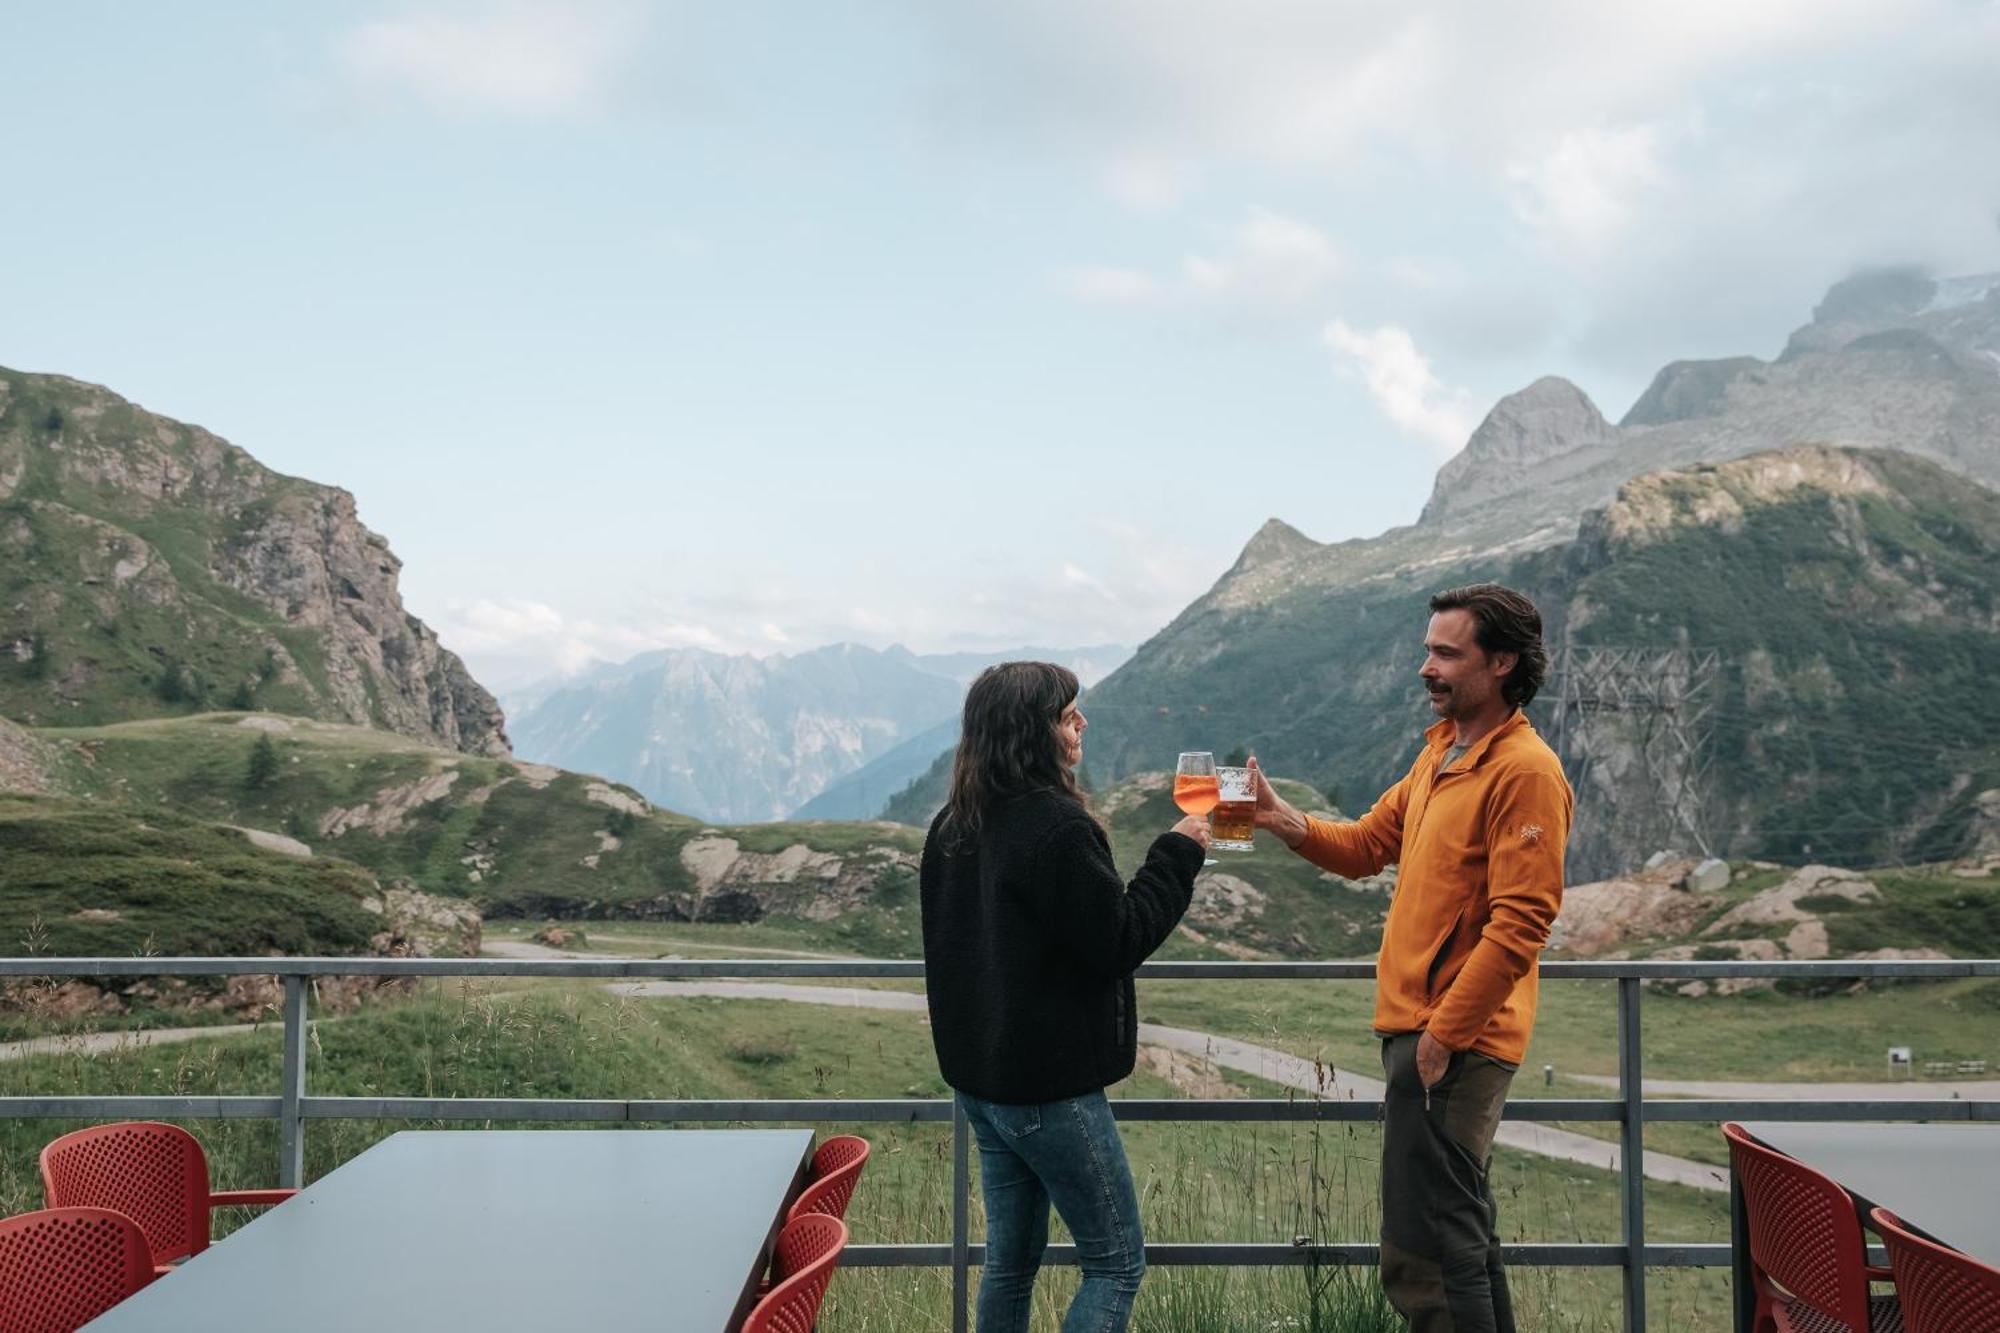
x,y
1235,814
1232,824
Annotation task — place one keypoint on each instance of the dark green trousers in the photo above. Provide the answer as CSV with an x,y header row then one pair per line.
x,y
1440,1252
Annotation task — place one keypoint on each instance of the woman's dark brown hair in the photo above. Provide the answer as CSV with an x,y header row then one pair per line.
x,y
1007,743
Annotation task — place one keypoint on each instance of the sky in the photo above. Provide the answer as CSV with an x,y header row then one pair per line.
x,y
755,327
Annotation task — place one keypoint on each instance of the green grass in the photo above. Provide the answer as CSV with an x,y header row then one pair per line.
x,y
83,878
1759,1036
1251,1182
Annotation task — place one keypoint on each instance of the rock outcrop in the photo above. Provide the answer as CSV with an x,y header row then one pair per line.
x,y
148,566
27,765
734,885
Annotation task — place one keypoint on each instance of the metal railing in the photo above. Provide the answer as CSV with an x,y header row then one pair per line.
x,y
293,1106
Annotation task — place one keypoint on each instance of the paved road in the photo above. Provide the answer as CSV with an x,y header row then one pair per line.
x,y
529,949
117,1041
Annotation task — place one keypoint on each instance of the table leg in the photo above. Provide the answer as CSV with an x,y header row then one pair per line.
x,y
1742,1286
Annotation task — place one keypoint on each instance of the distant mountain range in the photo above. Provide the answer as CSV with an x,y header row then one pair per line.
x,y
828,734
1850,597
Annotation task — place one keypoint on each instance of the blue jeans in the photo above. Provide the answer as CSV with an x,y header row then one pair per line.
x,y
1068,1153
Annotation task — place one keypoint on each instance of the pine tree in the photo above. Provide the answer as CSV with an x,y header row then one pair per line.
x,y
263,764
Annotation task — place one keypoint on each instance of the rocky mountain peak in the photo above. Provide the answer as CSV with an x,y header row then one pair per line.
x,y
1964,311
1547,420
1689,391
1277,540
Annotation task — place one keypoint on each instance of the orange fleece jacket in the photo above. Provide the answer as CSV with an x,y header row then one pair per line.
x,y
1479,852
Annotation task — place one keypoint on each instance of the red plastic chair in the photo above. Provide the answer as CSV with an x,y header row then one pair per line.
x,y
155,1174
63,1267
808,1249
1807,1257
836,1168
1943,1291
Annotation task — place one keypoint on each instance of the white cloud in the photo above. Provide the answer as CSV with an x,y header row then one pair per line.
x,y
1316,83
1265,262
1403,386
524,56
1584,189
1417,275
510,641
1075,576
1147,183
1266,259
1094,285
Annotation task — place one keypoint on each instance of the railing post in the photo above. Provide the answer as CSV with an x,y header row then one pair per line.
x,y
1632,1155
291,1124
961,1220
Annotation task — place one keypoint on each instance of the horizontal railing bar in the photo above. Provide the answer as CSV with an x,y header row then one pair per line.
x,y
139,1108
1230,1254
1941,1109
834,1110
823,1111
1848,968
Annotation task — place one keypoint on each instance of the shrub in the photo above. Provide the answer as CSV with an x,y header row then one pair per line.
x,y
762,1050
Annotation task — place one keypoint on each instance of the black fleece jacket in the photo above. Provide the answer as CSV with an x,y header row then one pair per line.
x,y
1030,942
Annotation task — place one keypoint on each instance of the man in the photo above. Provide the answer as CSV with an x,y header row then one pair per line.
x,y
1477,829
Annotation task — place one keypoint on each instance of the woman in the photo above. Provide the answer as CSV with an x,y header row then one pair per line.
x,y
1030,941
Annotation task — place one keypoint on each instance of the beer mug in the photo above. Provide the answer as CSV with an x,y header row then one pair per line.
x,y
1235,816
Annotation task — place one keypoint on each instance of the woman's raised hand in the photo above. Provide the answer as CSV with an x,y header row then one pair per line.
x,y
1193,826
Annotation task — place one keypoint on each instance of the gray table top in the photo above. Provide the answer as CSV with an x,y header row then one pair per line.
x,y
495,1230
1942,1179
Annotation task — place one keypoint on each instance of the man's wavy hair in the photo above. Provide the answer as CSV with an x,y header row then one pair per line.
x,y
1007,743
1507,623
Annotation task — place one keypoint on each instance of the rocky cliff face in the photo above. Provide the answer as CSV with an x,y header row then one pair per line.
x,y
1844,596
149,567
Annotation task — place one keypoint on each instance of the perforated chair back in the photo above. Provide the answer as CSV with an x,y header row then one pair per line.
x,y
836,1169
1804,1233
63,1267
155,1174
808,1249
1943,1291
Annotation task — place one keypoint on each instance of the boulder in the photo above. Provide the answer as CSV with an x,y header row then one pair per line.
x,y
1223,901
1711,876
424,925
1779,904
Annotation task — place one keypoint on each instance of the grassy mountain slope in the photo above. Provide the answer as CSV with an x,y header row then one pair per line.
x,y
515,838
84,877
